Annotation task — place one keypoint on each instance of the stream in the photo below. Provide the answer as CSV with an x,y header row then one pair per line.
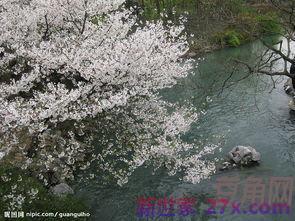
x,y
250,112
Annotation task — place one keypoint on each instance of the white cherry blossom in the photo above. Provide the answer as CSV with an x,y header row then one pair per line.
x,y
79,87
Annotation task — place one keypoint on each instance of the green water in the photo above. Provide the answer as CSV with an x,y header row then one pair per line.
x,y
244,114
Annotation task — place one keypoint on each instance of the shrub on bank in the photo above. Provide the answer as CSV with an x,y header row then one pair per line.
x,y
228,38
21,192
248,26
269,24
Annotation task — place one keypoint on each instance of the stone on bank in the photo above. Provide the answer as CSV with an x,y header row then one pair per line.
x,y
61,189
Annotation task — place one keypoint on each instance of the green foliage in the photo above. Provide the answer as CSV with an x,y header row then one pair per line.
x,y
236,21
21,192
153,8
249,25
98,19
232,38
269,23
229,38
150,12
235,6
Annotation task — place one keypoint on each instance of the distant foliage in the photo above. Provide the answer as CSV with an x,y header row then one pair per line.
x,y
269,23
238,21
251,26
211,8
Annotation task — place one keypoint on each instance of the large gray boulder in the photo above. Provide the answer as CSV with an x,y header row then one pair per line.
x,y
61,189
244,156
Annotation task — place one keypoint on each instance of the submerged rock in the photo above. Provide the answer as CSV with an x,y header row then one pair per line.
x,y
61,189
244,156
226,166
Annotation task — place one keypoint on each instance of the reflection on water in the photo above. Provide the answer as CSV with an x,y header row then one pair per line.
x,y
244,114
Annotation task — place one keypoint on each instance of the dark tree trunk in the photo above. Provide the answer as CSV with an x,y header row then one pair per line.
x,y
293,82
292,74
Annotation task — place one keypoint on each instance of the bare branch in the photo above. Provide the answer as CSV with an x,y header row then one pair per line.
x,y
279,52
45,35
84,22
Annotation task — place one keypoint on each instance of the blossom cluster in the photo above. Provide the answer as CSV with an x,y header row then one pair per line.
x,y
79,84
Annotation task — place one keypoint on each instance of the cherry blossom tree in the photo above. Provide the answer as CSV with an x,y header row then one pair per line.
x,y
79,89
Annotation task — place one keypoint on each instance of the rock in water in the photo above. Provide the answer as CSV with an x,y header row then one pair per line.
x,y
244,156
291,105
288,87
61,189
